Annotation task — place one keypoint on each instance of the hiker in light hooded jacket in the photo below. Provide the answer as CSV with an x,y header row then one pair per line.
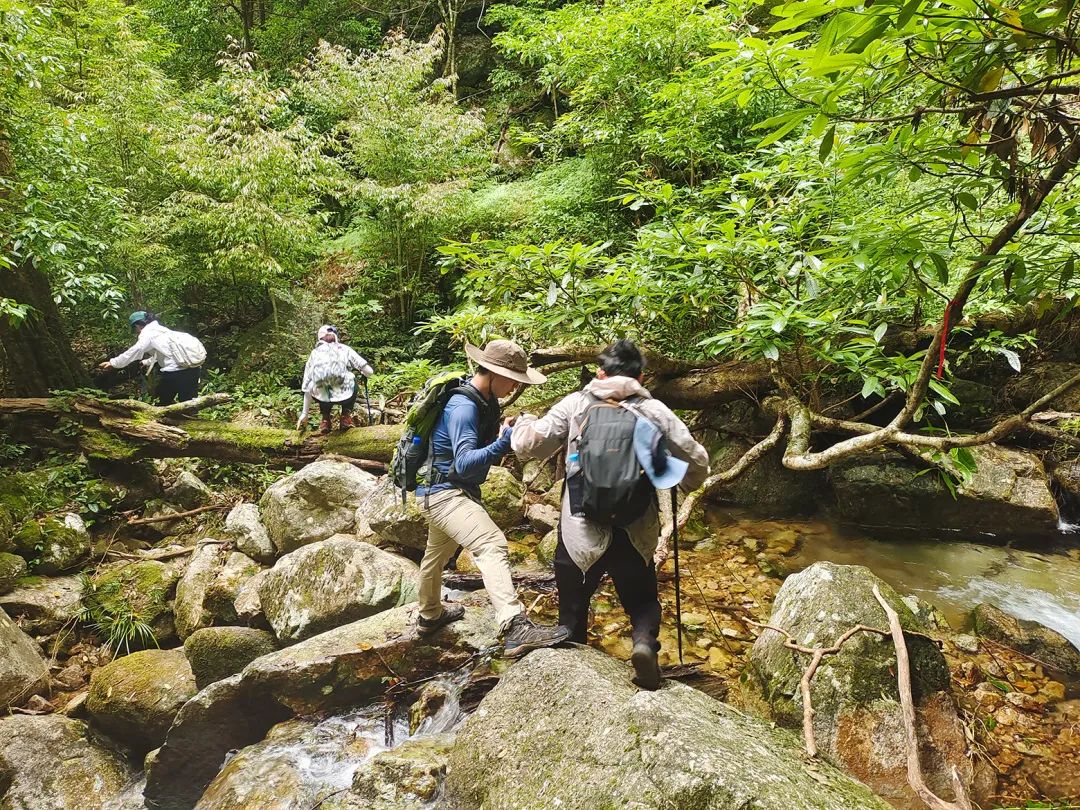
x,y
587,550
177,356
329,379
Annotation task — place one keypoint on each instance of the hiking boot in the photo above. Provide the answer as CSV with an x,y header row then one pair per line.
x,y
522,635
646,667
346,421
450,613
324,426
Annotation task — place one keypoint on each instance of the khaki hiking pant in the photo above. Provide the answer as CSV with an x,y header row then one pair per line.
x,y
455,519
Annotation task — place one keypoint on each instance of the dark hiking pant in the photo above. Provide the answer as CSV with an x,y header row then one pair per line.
x,y
326,408
634,580
178,386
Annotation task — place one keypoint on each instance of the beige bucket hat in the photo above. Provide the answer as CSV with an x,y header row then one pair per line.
x,y
507,359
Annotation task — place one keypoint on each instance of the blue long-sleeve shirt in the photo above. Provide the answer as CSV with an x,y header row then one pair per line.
x,y
455,436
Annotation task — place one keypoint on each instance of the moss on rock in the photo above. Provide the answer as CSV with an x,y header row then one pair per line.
x,y
503,497
144,589
218,652
12,569
135,698
51,544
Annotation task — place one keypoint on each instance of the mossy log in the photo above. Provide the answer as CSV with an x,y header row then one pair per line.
x,y
128,430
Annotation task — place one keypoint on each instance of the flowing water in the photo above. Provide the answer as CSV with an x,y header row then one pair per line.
x,y
1043,586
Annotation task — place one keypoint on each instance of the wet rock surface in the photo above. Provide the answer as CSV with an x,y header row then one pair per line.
x,y
1041,643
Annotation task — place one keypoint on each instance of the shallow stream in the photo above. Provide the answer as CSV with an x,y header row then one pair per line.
x,y
955,576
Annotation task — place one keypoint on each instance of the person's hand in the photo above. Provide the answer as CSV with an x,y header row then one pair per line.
x,y
508,422
105,366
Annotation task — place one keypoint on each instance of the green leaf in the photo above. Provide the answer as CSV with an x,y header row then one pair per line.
x,y
943,392
879,333
771,352
827,143
968,199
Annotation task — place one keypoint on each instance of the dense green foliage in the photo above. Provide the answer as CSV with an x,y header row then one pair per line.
x,y
798,182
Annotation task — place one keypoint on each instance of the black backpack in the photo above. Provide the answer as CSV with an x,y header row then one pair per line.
x,y
611,488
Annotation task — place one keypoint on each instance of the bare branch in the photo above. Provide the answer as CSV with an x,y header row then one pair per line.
x,y
907,705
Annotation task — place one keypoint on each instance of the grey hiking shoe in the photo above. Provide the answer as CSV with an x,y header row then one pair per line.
x,y
450,613
646,667
522,635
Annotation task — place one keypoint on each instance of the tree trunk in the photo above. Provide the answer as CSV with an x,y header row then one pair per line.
x,y
127,430
37,352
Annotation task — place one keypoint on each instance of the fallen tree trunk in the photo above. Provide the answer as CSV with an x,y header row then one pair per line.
x,y
127,430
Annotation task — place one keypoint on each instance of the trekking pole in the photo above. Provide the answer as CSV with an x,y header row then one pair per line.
x,y
675,547
367,401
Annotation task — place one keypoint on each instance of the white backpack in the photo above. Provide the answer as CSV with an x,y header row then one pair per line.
x,y
187,350
329,365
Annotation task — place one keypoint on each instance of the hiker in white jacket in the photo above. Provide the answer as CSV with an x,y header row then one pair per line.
x,y
178,357
587,550
328,379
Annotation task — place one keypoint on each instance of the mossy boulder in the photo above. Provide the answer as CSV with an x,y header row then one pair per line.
x,y
53,761
334,582
1008,495
503,498
144,588
136,697
218,652
52,544
23,669
206,594
189,491
1028,637
545,549
567,728
244,525
247,604
21,493
313,504
12,569
390,519
857,717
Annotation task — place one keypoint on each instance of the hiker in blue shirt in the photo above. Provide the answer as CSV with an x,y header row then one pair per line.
x,y
469,437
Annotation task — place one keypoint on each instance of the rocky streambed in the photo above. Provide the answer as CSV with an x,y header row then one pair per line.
x,y
290,675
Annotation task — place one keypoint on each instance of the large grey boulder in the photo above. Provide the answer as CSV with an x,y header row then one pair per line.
x,y
43,606
313,504
52,763
206,594
216,653
1008,495
390,520
247,604
344,667
135,698
23,669
857,716
244,525
1028,637
333,582
407,777
567,729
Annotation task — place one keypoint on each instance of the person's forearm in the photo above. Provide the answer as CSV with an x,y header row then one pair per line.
x,y
469,460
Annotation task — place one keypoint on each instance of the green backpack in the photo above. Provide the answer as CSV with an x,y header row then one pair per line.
x,y
412,457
